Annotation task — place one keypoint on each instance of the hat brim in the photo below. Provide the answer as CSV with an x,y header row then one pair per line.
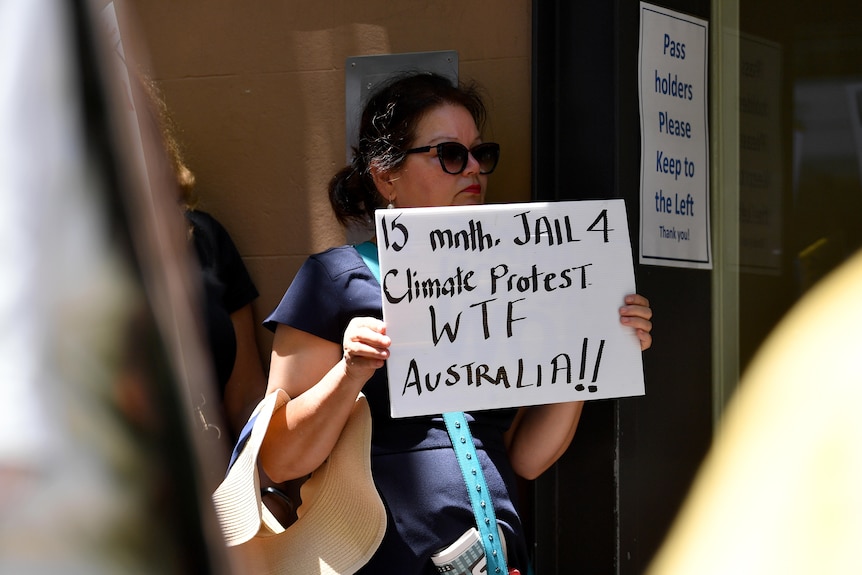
x,y
341,521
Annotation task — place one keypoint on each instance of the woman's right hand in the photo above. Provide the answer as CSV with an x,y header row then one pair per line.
x,y
366,347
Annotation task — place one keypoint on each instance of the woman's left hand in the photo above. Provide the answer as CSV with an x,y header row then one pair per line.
x,y
636,313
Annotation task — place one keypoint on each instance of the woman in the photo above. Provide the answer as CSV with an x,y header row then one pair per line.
x,y
330,342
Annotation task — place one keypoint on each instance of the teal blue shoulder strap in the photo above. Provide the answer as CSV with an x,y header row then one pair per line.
x,y
368,251
477,489
465,451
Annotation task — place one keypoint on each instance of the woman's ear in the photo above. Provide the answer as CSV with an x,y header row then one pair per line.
x,y
385,184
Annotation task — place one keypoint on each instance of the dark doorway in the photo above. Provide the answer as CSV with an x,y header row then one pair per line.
x,y
607,504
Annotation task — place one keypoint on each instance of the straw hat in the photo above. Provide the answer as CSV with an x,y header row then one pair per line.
x,y
341,520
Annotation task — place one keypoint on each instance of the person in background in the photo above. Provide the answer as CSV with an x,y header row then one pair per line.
x,y
228,292
420,144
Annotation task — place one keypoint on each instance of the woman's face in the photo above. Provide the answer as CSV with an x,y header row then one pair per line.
x,y
421,181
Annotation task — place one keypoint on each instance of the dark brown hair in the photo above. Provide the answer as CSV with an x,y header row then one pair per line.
x,y
387,129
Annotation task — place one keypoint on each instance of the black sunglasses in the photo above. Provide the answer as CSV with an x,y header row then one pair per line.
x,y
454,156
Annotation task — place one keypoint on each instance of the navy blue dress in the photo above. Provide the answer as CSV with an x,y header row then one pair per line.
x,y
412,459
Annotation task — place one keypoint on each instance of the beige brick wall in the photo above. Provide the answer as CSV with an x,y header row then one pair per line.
x,y
257,92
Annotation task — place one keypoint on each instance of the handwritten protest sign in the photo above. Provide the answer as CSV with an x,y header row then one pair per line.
x,y
507,305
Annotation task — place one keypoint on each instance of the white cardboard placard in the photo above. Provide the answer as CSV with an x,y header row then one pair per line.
x,y
507,305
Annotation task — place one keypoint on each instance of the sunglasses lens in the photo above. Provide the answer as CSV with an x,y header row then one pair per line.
x,y
453,156
487,155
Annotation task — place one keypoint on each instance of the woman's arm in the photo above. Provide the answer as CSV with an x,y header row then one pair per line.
x,y
541,434
323,381
247,382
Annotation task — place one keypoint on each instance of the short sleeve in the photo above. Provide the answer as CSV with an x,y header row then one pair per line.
x,y
329,290
219,256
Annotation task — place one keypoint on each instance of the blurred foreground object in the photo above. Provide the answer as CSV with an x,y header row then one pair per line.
x,y
98,473
781,490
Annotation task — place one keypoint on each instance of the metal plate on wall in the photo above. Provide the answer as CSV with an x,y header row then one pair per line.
x,y
363,74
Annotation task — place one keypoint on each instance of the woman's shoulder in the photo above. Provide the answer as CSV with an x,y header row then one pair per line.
x,y
202,219
338,260
331,287
208,227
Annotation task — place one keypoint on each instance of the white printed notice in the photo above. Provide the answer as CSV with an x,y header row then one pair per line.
x,y
507,305
675,227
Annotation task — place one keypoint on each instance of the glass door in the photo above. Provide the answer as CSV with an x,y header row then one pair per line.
x,y
787,186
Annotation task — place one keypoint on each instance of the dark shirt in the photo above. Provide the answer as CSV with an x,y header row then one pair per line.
x,y
227,288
